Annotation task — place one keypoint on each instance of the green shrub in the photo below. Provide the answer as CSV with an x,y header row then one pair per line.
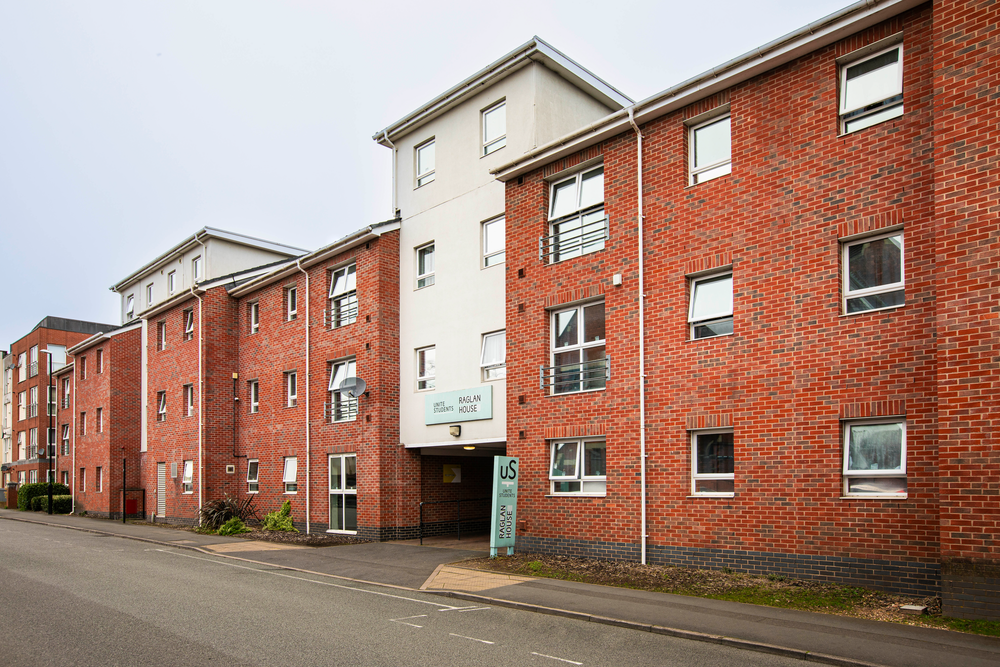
x,y
215,513
36,503
60,504
234,526
26,492
281,520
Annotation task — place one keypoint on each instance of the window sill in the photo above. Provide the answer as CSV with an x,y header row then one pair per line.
x,y
252,493
691,185
712,495
576,495
694,340
343,421
417,289
876,496
342,532
873,310
290,493
574,393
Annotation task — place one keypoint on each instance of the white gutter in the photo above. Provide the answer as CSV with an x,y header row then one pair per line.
x,y
201,392
640,221
76,442
392,146
308,377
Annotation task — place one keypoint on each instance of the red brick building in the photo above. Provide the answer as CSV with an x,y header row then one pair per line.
x,y
812,352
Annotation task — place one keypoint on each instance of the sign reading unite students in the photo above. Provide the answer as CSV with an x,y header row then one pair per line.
x,y
504,504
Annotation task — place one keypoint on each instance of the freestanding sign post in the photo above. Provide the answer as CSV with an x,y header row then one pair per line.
x,y
504,504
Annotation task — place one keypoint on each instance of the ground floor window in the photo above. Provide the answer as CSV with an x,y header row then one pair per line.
x,y
344,492
713,463
875,458
579,467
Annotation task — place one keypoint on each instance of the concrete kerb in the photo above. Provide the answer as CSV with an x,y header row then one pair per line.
x,y
746,645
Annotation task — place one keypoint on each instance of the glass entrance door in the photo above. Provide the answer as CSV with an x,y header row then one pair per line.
x,y
344,493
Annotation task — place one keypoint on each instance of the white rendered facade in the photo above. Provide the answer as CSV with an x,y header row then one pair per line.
x,y
449,308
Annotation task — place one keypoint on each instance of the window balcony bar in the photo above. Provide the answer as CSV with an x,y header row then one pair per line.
x,y
342,411
338,317
572,242
32,410
570,378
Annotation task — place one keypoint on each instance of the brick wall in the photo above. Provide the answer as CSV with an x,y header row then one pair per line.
x,y
795,365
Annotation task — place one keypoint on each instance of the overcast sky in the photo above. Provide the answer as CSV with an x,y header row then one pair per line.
x,y
126,126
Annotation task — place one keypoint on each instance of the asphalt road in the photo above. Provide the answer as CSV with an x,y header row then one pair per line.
x,y
73,598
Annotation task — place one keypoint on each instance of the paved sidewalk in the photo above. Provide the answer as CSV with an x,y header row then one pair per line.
x,y
811,636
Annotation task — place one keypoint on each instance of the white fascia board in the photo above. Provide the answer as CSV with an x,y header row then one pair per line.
x,y
805,40
455,443
172,301
533,50
98,337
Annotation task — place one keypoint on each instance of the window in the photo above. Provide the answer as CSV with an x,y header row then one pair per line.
x,y
579,362
196,268
710,148
50,476
98,479
187,477
129,307
254,389
161,406
51,408
65,440
579,467
344,493
871,89
83,423
21,450
288,476
65,477
149,294
712,463
254,317
494,242
493,359
22,406
83,368
161,336
291,303
344,296
171,282
50,441
22,367
100,360
65,397
188,324
33,442
188,400
32,476
342,407
33,402
875,458
577,224
100,420
253,474
425,368
291,389
425,163
20,477
711,312
495,128
33,361
425,266
83,480
873,273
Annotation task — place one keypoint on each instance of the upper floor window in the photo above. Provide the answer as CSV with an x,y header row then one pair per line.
x,y
188,324
495,128
710,146
426,368
425,162
161,406
290,474
33,361
875,457
291,304
494,241
342,407
425,265
188,400
254,317
100,360
149,294
99,422
22,367
291,389
579,362
83,368
161,335
873,273
171,282
196,268
711,312
344,296
254,388
129,307
493,360
577,224
871,89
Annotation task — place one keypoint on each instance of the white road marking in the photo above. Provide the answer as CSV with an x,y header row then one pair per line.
x,y
470,638
464,609
403,620
446,607
552,657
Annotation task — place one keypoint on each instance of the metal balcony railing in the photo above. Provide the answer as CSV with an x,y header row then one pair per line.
x,y
340,411
572,241
343,310
33,369
32,410
570,378
65,402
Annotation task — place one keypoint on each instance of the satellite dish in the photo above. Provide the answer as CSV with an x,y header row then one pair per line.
x,y
353,387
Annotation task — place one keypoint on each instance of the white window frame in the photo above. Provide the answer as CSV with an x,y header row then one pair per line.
x,y
697,173
171,282
253,476
494,368
716,317
99,479
427,381
496,143
556,381
889,473
22,367
341,489
493,257
291,389
289,474
149,295
291,301
32,476
189,324
188,400
874,111
196,269
129,307
100,359
65,439
342,408
427,278
187,477
590,485
848,295
33,442
22,453
22,406
344,296
254,317
422,178
161,407
161,335
704,476
254,391
579,231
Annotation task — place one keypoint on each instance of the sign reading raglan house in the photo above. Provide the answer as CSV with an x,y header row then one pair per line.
x,y
464,405
504,510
